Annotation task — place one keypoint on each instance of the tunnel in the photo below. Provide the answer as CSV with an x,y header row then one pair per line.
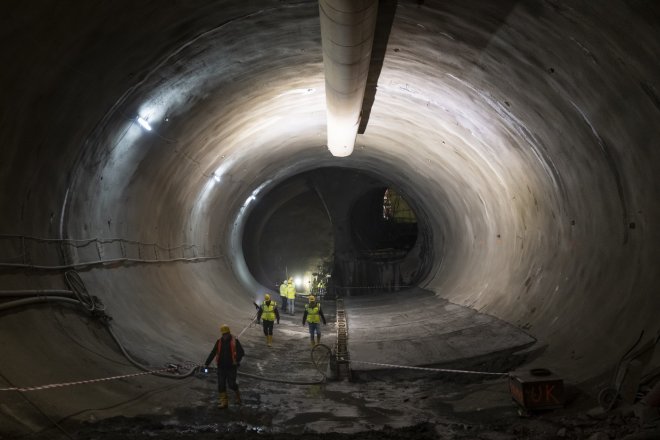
x,y
165,165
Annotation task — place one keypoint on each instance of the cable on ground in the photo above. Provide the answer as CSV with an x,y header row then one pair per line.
x,y
438,370
83,382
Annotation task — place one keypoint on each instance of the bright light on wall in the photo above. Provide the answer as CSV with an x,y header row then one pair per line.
x,y
341,135
298,282
144,123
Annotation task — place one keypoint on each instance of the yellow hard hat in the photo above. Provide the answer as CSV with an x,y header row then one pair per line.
x,y
311,298
224,328
267,297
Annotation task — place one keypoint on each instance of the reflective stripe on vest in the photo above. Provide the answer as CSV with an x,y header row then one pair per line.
x,y
232,347
268,311
313,316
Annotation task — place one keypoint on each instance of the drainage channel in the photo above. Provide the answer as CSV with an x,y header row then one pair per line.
x,y
343,361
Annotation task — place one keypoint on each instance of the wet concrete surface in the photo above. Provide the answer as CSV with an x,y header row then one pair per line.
x,y
415,327
384,404
387,405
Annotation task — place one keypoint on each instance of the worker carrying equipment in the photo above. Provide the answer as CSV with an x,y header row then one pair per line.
x,y
228,353
313,315
268,313
283,297
291,295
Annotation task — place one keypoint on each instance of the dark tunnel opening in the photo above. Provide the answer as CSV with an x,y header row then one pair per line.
x,y
384,231
349,224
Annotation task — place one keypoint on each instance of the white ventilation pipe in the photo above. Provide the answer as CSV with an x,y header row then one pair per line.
x,y
347,34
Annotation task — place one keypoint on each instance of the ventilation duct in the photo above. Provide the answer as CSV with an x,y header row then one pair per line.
x,y
347,33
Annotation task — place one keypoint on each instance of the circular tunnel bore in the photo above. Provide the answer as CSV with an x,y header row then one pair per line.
x,y
347,225
529,130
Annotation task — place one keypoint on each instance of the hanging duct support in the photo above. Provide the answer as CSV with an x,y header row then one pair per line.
x,y
347,34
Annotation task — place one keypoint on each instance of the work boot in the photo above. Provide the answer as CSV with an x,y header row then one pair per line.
x,y
223,403
237,396
270,340
318,339
312,342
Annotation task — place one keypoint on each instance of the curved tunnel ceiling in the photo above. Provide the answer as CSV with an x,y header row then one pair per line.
x,y
526,132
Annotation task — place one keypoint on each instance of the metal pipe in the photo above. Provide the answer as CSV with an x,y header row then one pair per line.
x,y
347,35
36,300
33,292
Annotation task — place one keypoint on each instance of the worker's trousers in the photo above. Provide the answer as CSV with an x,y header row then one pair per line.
x,y
227,378
314,327
268,327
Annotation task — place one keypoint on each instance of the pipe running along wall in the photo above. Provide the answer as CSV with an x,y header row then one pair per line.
x,y
524,131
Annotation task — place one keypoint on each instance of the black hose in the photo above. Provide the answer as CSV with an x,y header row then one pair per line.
x,y
35,292
45,299
193,367
93,304
37,300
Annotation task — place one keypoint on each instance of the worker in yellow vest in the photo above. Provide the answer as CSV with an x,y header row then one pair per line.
x,y
291,295
313,315
268,313
283,294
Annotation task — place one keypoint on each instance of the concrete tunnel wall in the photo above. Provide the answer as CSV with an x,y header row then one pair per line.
x,y
526,131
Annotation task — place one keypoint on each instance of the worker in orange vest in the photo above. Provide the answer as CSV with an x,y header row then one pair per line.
x,y
228,353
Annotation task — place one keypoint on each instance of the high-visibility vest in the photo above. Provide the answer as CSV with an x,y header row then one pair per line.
x,y
283,289
232,348
268,311
313,316
291,291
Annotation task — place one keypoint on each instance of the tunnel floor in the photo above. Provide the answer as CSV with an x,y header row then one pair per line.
x,y
415,327
384,403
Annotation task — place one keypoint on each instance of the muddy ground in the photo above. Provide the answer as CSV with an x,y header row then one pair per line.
x,y
375,405
394,404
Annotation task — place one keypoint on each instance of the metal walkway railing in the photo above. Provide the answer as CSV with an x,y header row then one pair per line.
x,y
343,365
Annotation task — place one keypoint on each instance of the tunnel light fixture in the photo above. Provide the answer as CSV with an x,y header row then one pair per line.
x,y
216,177
298,282
144,123
342,132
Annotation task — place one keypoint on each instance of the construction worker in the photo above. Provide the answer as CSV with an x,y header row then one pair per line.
x,y
291,295
228,353
268,313
321,290
313,315
283,294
